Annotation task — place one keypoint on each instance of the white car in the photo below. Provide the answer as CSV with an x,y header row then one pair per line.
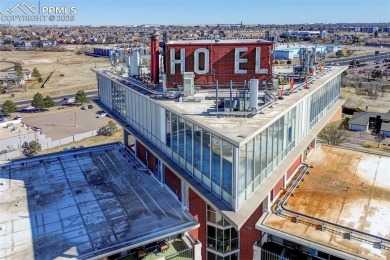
x,y
103,114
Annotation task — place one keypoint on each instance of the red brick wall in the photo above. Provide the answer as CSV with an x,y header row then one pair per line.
x,y
249,234
197,207
221,57
151,165
141,152
293,167
275,191
173,182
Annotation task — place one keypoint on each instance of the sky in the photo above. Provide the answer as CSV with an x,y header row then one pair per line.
x,y
189,12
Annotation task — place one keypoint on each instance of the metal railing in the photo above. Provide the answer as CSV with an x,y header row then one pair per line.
x,y
267,255
182,255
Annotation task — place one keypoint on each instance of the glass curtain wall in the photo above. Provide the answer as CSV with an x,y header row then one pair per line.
x,y
118,100
260,156
221,236
204,155
209,158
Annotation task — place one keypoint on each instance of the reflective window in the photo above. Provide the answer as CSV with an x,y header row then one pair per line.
x,y
257,158
206,154
215,217
250,166
174,134
280,138
263,137
275,141
222,236
216,160
197,147
222,240
189,142
241,169
269,144
227,164
168,128
181,134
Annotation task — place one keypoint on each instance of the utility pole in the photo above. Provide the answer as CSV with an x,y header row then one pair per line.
x,y
75,119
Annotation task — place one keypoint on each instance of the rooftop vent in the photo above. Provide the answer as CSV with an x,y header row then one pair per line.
x,y
254,93
188,84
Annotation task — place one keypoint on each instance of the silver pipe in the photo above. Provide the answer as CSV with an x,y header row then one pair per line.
x,y
231,97
216,101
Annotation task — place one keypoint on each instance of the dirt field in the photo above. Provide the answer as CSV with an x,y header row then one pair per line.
x,y
71,71
381,104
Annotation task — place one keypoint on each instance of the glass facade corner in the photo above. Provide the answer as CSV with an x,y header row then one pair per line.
x,y
231,173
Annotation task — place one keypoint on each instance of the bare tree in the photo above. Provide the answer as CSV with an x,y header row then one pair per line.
x,y
333,135
379,138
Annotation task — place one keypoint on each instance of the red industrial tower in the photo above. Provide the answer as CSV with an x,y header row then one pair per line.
x,y
154,54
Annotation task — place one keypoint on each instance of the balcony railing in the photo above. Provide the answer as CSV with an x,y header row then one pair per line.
x,y
177,249
266,255
182,255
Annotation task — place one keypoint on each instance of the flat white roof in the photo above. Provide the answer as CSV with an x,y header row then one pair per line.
x,y
348,191
82,204
239,130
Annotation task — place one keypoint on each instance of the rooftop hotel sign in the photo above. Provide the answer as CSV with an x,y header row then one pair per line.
x,y
37,12
223,61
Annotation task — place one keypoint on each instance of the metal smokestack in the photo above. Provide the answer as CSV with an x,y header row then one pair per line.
x,y
154,58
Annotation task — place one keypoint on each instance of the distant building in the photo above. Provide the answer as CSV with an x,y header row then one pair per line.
x,y
365,121
10,78
369,29
302,34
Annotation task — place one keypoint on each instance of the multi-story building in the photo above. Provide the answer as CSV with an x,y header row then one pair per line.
x,y
224,153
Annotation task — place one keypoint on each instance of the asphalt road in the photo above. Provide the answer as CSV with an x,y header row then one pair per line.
x,y
361,59
59,100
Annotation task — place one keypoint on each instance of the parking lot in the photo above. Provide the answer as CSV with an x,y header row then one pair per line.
x,y
59,123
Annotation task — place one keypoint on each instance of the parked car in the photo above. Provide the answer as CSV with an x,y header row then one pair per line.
x,y
17,117
90,106
84,108
103,114
70,101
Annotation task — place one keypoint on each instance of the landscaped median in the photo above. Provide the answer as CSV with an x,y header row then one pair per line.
x,y
385,146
